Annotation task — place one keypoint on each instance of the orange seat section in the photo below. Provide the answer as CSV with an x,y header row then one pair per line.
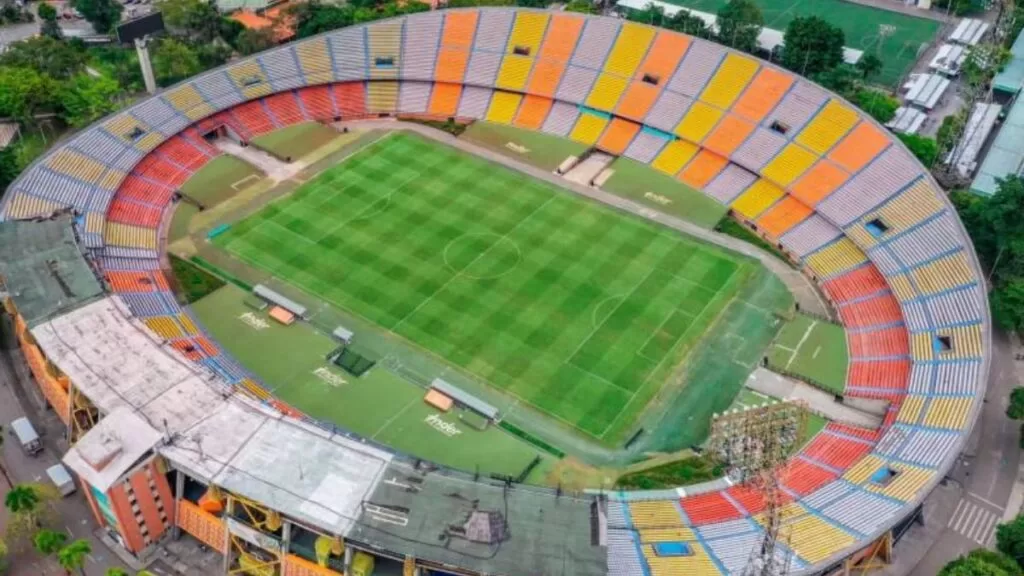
x,y
818,182
559,43
785,214
728,135
702,169
532,112
456,41
444,101
764,92
859,147
661,62
618,135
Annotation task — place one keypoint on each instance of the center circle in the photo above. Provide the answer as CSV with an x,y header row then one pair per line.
x,y
482,255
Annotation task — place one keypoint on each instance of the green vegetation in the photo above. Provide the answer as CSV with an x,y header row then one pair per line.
x,y
681,21
679,473
295,141
645,185
982,562
219,179
102,14
192,282
594,332
536,148
812,350
517,431
1010,539
926,149
739,24
731,227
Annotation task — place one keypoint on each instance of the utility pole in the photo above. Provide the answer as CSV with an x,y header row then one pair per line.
x,y
142,48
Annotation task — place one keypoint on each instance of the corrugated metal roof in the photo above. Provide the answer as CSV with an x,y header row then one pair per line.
x,y
1006,156
1012,77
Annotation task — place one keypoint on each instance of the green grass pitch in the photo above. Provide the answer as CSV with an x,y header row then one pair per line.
x,y
560,302
295,141
901,35
812,349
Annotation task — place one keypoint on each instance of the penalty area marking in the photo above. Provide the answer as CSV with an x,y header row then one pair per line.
x,y
239,184
800,344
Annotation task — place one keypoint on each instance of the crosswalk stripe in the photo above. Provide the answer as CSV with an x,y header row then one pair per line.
x,y
973,521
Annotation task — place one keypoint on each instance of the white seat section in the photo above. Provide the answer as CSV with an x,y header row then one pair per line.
x,y
699,63
809,235
796,109
413,97
97,144
760,147
730,183
827,494
915,316
282,69
886,175
862,511
667,111
483,68
959,377
595,43
474,102
727,528
622,549
576,83
956,307
920,446
734,552
348,52
645,146
160,115
561,119
419,49
218,89
926,241
492,30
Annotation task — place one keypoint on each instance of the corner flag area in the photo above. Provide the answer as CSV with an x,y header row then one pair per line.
x,y
812,350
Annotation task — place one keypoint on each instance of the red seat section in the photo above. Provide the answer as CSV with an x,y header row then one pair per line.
x,y
253,118
709,508
863,433
873,311
751,499
285,106
318,102
885,374
350,99
804,477
144,190
196,139
129,212
856,283
836,451
181,151
878,343
136,281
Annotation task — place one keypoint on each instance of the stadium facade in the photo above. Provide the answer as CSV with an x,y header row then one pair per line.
x,y
159,415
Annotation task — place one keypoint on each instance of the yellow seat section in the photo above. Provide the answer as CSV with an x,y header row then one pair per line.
x,y
607,91
188,100
758,198
514,72
503,107
527,32
111,179
588,128
315,61
948,413
942,274
124,127
385,39
187,325
836,257
117,234
94,222
71,163
964,341
907,483
674,156
652,535
698,562
912,206
788,165
728,83
249,78
900,285
658,515
22,205
164,327
629,50
699,120
922,346
863,469
381,96
910,410
831,124
814,539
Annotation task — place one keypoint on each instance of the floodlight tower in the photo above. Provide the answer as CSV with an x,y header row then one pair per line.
x,y
754,443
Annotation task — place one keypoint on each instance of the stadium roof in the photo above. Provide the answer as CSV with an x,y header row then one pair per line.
x,y
1011,78
43,268
422,514
1006,156
111,448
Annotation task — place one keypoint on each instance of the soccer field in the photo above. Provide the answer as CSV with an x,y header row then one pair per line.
x,y
565,304
812,349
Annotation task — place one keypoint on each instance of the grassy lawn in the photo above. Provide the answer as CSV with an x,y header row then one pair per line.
x,y
193,282
643,184
380,405
295,141
562,303
219,179
689,470
812,350
861,25
733,228
536,148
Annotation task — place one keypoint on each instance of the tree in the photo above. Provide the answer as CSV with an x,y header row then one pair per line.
x,y
251,41
1010,538
54,58
739,24
30,506
22,499
1015,410
582,6
812,46
116,572
183,13
102,14
983,62
843,79
48,25
72,557
869,65
85,99
879,105
312,18
24,92
981,562
926,149
949,131
173,61
48,542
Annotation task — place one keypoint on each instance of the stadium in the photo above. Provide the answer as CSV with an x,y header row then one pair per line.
x,y
281,420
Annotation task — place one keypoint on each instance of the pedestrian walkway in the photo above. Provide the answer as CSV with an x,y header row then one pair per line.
x,y
975,520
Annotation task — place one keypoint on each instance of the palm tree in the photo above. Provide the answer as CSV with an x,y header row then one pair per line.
x,y
72,556
22,500
48,542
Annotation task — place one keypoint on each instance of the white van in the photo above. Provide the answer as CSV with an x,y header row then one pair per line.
x,y
61,479
27,436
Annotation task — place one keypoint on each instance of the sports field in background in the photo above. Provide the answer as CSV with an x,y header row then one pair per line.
x,y
901,36
295,141
563,303
643,184
535,148
813,350
380,405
